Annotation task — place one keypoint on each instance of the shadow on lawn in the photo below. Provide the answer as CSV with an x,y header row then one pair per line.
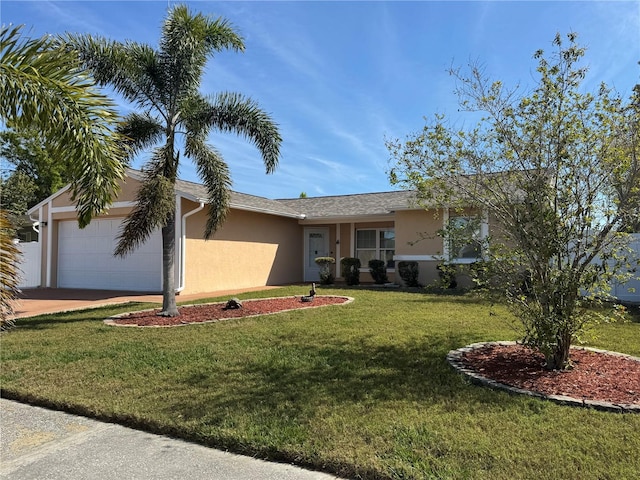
x,y
82,315
339,374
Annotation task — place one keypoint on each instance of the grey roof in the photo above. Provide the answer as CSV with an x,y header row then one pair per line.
x,y
240,201
364,204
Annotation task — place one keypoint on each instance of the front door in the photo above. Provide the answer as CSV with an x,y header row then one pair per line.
x,y
316,244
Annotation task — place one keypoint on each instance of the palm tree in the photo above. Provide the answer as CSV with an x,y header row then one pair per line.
x,y
164,83
44,88
9,271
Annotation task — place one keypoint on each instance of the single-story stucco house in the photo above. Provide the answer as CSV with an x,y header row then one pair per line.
x,y
262,242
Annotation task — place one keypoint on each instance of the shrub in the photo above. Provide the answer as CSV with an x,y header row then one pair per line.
x,y
409,272
378,269
326,275
447,274
351,270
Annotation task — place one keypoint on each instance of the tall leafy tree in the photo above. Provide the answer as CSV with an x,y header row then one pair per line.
x,y
17,194
630,145
26,152
176,118
43,87
557,168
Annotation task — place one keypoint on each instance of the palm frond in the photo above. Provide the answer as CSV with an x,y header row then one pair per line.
x,y
42,85
186,43
232,112
140,131
155,202
132,69
214,173
9,271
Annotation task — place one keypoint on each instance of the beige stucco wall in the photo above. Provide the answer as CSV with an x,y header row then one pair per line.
x,y
127,193
416,236
251,249
255,249
416,232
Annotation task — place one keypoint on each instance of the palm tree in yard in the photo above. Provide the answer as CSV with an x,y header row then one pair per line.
x,y
44,89
176,118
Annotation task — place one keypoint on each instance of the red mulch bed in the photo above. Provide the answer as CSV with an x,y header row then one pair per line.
x,y
595,376
215,311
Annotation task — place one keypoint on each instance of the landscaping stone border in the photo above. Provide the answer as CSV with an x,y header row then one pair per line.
x,y
454,357
111,320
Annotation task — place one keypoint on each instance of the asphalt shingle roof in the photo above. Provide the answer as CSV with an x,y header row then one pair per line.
x,y
382,203
241,201
364,204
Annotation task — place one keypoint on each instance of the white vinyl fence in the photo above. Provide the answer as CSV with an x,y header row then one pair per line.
x,y
29,265
630,290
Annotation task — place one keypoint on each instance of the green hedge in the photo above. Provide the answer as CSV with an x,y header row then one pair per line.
x,y
409,272
351,270
378,269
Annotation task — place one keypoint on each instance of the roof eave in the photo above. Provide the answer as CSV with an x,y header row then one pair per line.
x,y
299,216
348,219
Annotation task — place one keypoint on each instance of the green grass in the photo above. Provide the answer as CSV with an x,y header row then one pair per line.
x,y
361,390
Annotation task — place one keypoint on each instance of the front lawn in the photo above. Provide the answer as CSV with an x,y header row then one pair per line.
x,y
361,390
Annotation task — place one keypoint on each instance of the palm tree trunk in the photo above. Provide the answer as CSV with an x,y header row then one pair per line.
x,y
169,307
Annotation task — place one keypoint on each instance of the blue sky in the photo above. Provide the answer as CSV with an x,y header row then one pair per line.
x,y
340,77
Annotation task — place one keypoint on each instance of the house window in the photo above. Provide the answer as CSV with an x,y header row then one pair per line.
x,y
464,238
376,244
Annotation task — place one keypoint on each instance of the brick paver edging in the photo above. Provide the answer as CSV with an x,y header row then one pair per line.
x,y
454,357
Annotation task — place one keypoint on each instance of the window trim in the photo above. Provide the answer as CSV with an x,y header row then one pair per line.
x,y
377,249
484,233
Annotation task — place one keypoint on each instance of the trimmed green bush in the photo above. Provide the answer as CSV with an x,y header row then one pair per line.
x,y
326,275
378,270
351,270
409,271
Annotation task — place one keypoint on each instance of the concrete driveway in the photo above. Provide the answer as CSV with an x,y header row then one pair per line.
x,y
39,301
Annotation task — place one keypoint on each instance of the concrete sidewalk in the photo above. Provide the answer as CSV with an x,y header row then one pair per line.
x,y
44,444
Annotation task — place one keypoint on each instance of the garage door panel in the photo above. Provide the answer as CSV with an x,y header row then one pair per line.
x,y
85,258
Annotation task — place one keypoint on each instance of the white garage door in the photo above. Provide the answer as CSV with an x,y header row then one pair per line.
x,y
85,259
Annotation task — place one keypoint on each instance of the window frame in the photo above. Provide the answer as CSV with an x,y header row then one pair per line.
x,y
481,234
377,249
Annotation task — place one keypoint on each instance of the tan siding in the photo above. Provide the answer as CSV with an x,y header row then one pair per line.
x,y
127,193
250,250
413,225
